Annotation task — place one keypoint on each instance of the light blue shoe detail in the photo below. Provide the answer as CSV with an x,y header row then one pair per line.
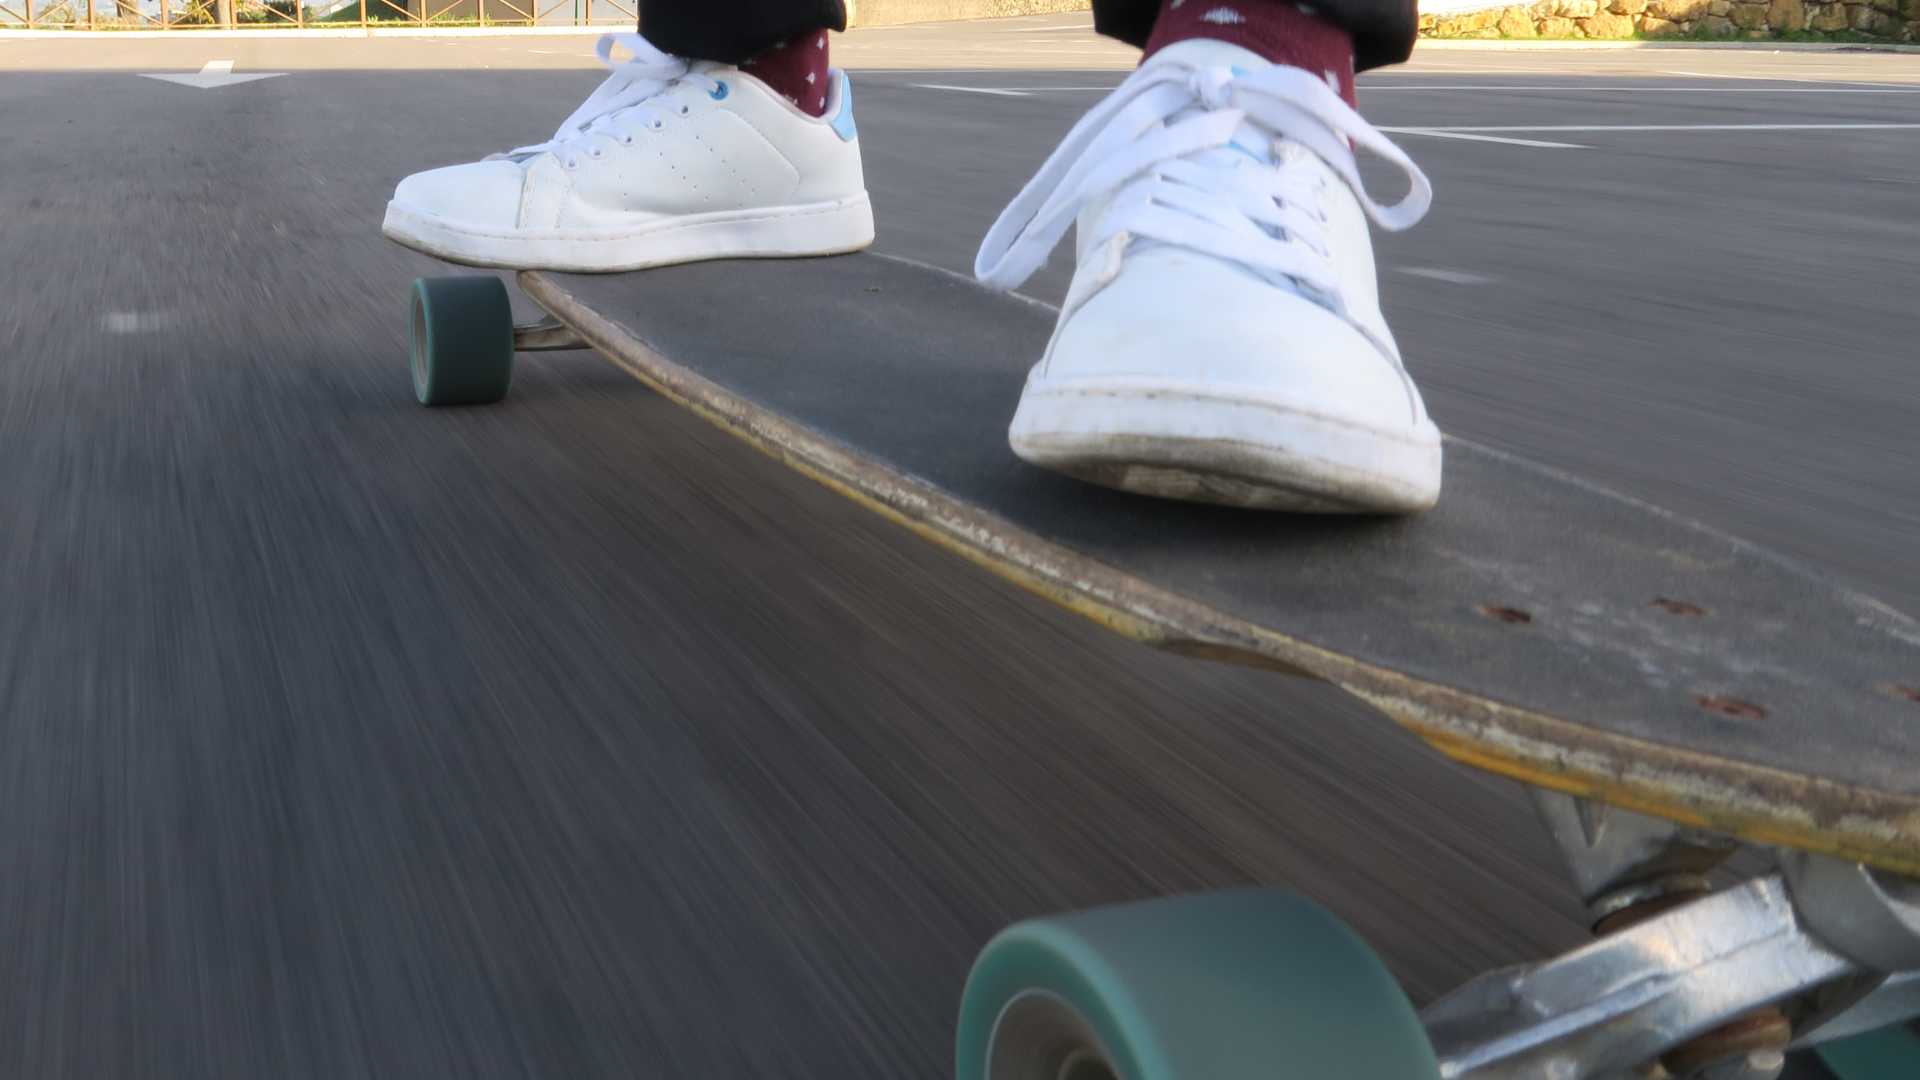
x,y
843,120
719,92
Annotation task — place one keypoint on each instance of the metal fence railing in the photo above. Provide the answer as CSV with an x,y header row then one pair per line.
x,y
188,15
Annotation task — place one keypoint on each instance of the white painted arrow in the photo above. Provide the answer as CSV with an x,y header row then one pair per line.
x,y
216,74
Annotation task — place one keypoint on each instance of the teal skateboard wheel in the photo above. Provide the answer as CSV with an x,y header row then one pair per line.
x,y
1217,986
1888,1054
461,344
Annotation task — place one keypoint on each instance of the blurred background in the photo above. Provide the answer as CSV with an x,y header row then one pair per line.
x,y
569,737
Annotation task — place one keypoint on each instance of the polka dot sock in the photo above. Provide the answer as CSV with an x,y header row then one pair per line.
x,y
1283,31
796,69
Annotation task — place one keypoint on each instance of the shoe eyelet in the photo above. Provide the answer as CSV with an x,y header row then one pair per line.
x,y
573,163
657,125
685,109
626,140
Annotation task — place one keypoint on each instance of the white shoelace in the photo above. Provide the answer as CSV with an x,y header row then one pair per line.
x,y
634,88
1172,180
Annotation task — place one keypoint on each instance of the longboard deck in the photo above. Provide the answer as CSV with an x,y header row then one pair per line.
x,y
1533,625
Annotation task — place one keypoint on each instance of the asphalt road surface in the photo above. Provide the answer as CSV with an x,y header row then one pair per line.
x,y
570,738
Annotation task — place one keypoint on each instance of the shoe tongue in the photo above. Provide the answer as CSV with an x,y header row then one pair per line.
x,y
1208,53
1249,143
1204,53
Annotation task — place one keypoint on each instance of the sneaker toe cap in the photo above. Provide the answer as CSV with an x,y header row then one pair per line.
x,y
1201,325
484,193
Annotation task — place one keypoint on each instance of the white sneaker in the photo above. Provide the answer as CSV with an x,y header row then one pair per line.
x,y
1222,339
667,162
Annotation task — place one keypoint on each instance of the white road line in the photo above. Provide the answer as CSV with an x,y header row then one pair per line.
x,y
1458,133
1772,78
1428,68
1034,89
1000,73
1366,88
1506,89
1712,75
1549,128
216,74
1446,275
972,90
136,322
964,278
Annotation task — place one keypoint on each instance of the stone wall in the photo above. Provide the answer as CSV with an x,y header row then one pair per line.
x,y
1894,20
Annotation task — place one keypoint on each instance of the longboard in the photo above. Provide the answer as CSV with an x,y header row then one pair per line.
x,y
1534,625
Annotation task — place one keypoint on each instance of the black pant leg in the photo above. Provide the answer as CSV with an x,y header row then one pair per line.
x,y
730,31
1382,30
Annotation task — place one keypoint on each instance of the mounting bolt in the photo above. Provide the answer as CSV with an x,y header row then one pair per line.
x,y
1750,1048
1758,1065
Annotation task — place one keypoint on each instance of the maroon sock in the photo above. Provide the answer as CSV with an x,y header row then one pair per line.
x,y
796,69
1279,30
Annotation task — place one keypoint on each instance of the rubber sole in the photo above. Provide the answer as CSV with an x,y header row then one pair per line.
x,y
831,228
1198,445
